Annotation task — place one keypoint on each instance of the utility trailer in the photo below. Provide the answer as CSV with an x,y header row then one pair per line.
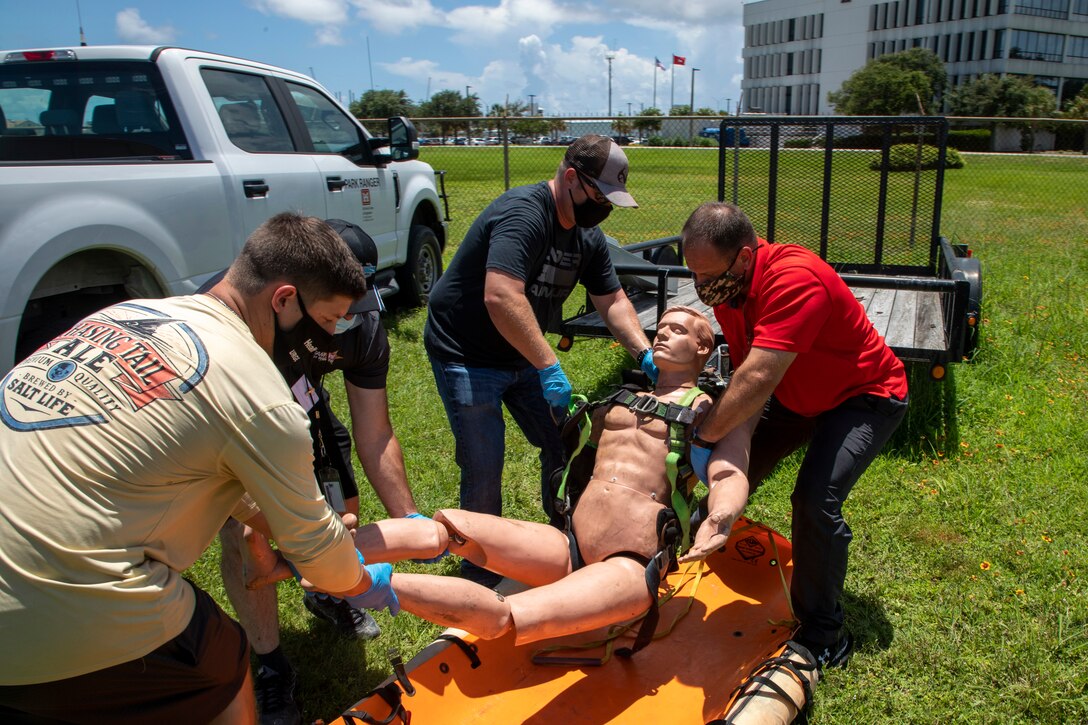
x,y
826,183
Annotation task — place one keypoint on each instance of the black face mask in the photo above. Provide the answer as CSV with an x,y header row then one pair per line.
x,y
307,343
589,213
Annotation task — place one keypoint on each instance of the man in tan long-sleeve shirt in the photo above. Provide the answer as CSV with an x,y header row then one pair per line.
x,y
124,445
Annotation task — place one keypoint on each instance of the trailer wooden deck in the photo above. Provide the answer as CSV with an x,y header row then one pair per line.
x,y
910,321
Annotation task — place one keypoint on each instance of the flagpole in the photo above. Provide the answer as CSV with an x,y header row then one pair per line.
x,y
672,84
654,104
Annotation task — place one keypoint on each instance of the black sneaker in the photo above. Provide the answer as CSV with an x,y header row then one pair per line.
x,y
348,621
276,697
835,655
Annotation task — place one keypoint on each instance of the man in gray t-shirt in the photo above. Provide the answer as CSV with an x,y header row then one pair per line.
x,y
506,285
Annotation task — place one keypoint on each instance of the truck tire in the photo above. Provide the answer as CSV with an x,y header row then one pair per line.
x,y
423,267
51,317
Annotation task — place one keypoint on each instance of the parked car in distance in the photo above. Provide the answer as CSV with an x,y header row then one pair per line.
x,y
714,132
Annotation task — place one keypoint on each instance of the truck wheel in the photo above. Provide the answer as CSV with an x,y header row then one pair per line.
x,y
422,269
44,320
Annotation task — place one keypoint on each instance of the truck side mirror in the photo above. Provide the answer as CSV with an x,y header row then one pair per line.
x,y
403,139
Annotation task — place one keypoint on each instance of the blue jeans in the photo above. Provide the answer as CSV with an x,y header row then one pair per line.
x,y
473,398
841,444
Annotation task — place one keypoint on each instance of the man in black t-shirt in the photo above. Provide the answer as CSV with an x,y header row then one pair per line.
x,y
504,287
304,355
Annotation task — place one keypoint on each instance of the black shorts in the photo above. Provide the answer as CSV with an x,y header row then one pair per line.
x,y
190,679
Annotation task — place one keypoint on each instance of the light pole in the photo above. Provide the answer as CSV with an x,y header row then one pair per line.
x,y
609,59
727,102
628,108
691,106
531,97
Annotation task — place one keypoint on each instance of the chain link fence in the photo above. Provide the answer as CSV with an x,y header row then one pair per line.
x,y
860,213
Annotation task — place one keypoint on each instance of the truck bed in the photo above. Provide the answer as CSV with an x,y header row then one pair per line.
x,y
910,320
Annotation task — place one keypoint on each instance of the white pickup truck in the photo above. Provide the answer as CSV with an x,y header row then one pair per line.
x,y
132,171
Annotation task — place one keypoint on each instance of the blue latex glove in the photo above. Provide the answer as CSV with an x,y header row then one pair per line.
x,y
556,386
700,459
298,577
436,559
380,595
648,366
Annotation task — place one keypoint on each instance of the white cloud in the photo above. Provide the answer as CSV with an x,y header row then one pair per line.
x,y
677,13
471,24
313,12
329,35
396,16
553,49
428,73
131,28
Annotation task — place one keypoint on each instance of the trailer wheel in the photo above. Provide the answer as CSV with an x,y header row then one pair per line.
x,y
423,268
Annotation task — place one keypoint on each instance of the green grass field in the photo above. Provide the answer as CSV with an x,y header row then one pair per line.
x,y
966,587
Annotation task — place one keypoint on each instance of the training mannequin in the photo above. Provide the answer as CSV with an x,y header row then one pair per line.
x,y
614,524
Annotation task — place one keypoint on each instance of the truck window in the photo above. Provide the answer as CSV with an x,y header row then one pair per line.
x,y
331,130
55,111
252,120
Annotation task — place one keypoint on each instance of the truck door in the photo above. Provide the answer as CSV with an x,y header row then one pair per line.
x,y
355,188
265,171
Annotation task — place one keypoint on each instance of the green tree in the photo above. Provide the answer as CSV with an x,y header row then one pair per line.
x,y
383,104
880,89
622,125
1005,96
452,105
1078,107
705,111
924,60
649,121
680,110
894,84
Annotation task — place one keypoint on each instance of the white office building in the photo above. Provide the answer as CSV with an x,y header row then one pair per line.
x,y
798,51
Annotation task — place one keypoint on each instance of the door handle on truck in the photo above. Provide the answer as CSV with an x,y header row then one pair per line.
x,y
335,183
255,188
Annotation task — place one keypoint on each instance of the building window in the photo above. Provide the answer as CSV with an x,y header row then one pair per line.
x,y
999,44
1080,7
920,12
1078,47
1028,45
1043,8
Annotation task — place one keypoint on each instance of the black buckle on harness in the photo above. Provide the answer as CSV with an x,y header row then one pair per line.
x,y
644,404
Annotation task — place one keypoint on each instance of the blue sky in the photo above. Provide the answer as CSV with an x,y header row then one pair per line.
x,y
553,49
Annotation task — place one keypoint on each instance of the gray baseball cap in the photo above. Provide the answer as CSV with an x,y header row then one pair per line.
x,y
602,160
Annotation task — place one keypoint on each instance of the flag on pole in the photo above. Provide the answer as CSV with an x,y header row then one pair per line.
x,y
679,60
658,63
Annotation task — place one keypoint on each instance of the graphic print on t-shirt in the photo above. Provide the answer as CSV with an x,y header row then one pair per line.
x,y
558,274
125,357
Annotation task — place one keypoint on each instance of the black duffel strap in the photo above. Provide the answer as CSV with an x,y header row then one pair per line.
x,y
391,693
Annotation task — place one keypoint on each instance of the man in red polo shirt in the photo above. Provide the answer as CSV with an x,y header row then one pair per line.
x,y
808,367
